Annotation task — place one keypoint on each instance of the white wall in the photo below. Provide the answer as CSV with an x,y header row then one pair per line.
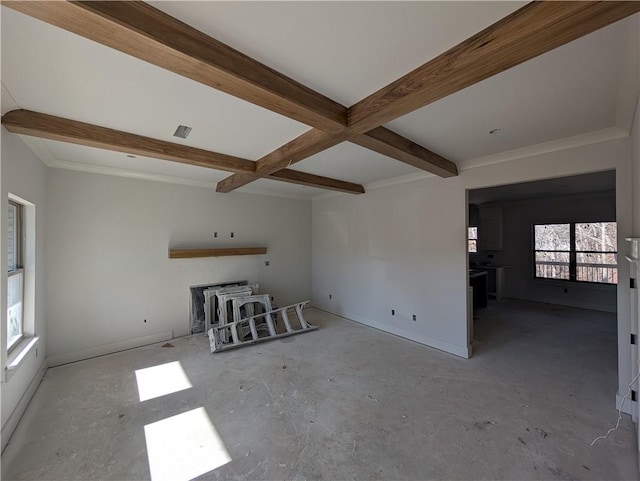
x,y
107,245
403,246
635,136
635,148
395,248
518,217
22,174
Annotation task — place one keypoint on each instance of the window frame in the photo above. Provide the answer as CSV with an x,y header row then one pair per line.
x,y
573,251
18,270
469,239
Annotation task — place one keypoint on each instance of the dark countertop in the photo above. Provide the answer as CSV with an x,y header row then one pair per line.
x,y
476,273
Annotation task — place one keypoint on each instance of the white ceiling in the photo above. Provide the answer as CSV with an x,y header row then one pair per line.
x,y
568,91
345,50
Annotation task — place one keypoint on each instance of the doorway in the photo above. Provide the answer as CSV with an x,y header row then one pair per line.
x,y
543,262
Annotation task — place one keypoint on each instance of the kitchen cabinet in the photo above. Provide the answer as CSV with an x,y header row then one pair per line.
x,y
495,281
478,281
490,228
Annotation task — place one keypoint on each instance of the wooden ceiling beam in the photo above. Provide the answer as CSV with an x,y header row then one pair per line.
x,y
386,142
306,145
313,180
534,29
313,141
140,30
49,127
380,140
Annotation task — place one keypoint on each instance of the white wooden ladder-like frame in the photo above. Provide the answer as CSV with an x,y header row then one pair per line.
x,y
219,341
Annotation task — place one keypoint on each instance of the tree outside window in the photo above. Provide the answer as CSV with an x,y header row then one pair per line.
x,y
584,252
472,239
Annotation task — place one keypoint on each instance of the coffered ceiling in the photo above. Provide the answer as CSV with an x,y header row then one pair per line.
x,y
343,50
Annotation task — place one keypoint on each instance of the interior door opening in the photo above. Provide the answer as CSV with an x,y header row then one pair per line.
x,y
543,268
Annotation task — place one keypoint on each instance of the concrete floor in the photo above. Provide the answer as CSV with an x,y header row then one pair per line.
x,y
350,402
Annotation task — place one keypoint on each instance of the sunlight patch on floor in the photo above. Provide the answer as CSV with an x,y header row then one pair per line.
x,y
161,380
183,447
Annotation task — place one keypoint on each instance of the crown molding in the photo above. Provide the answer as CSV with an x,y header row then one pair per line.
x,y
44,153
580,140
604,135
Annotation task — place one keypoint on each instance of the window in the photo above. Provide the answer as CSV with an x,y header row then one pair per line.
x,y
585,252
473,239
552,250
597,252
15,280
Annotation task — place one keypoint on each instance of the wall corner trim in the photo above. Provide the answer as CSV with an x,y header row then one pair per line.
x,y
628,407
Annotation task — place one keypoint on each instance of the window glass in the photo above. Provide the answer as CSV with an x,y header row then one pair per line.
x,y
553,237
591,258
473,239
597,236
596,257
15,296
12,240
15,278
552,265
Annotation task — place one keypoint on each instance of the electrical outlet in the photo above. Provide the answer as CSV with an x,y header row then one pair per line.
x,y
215,234
232,234
266,263
330,296
414,317
393,312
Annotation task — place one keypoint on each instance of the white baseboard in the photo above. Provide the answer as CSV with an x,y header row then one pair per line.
x,y
12,421
59,359
461,351
629,406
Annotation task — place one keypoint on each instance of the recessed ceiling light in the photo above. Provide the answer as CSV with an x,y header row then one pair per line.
x,y
495,131
131,156
182,131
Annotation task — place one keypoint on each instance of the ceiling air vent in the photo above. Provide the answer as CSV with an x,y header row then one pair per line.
x,y
182,131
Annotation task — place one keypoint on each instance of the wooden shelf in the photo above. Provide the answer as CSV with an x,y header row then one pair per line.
x,y
216,252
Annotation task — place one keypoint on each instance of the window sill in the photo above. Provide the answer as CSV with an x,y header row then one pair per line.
x,y
578,284
17,356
